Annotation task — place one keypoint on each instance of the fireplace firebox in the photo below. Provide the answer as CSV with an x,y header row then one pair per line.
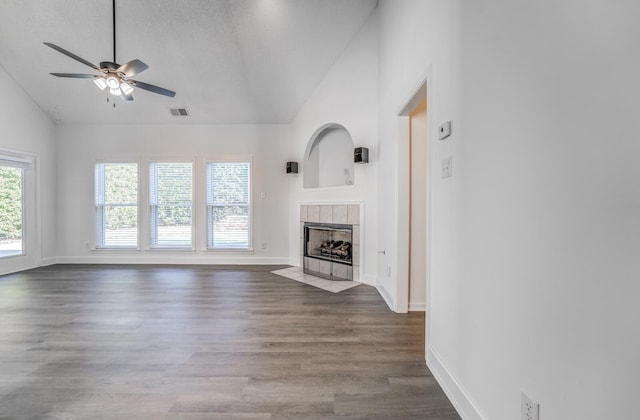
x,y
328,250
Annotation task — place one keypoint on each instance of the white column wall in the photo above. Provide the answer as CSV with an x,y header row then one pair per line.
x,y
418,40
347,96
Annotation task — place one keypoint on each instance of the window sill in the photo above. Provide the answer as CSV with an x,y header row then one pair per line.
x,y
170,249
229,250
114,249
330,188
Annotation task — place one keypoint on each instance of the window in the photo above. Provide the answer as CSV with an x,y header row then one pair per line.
x,y
11,208
170,200
228,209
116,196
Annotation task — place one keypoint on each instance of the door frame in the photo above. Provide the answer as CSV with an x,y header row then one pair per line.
x,y
420,90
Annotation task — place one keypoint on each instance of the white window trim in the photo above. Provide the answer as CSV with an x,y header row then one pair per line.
x,y
23,163
117,249
194,167
229,159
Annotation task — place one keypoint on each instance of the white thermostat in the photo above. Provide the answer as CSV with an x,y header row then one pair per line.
x,y
445,130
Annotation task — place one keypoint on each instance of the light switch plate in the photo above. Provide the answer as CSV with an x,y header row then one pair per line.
x,y
446,167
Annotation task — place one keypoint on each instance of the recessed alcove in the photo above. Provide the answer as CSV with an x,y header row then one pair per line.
x,y
328,159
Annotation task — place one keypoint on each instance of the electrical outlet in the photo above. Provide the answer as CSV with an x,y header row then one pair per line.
x,y
263,245
529,409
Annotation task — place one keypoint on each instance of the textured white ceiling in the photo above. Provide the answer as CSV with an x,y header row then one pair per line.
x,y
230,61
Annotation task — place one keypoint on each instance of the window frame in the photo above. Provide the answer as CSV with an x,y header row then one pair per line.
x,y
228,159
23,165
150,218
102,247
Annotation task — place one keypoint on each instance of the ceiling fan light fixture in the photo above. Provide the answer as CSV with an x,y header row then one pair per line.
x,y
113,81
115,92
100,82
126,88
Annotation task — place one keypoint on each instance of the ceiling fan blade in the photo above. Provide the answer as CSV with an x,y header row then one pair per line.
x,y
72,55
126,97
132,68
152,88
75,75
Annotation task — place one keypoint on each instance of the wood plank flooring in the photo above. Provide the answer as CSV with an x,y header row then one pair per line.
x,y
205,342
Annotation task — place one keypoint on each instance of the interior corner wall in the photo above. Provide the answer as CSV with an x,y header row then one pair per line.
x,y
534,273
80,146
347,96
26,129
418,40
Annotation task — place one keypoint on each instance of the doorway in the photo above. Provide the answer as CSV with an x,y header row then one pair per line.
x,y
418,206
413,202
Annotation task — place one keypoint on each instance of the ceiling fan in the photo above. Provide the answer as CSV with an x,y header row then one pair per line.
x,y
114,76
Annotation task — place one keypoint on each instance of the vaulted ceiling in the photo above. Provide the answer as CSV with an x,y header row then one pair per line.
x,y
230,61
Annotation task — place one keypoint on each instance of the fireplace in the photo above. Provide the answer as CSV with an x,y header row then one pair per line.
x,y
328,250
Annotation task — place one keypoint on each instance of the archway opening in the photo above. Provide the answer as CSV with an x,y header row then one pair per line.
x,y
329,158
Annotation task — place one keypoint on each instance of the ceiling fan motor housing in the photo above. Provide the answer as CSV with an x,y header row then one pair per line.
x,y
108,65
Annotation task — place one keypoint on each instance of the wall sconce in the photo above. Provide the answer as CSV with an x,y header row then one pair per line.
x,y
292,167
361,155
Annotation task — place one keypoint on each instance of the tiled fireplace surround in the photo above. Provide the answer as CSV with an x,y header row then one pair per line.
x,y
348,214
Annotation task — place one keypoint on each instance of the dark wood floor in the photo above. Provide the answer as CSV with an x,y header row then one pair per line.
x,y
165,342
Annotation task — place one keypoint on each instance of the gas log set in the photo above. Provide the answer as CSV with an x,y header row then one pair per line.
x,y
340,249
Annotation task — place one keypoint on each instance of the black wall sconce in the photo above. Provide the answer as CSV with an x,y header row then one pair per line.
x,y
361,155
292,167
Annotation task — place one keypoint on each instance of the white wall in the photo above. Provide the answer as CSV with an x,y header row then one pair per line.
x,y
551,207
346,96
25,129
534,273
79,146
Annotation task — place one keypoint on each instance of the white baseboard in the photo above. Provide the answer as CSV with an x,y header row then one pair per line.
x,y
369,280
417,306
386,296
461,400
48,261
172,260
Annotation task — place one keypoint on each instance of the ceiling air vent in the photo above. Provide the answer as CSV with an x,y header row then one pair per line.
x,y
179,112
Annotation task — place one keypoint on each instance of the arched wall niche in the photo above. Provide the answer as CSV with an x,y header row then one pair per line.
x,y
328,159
